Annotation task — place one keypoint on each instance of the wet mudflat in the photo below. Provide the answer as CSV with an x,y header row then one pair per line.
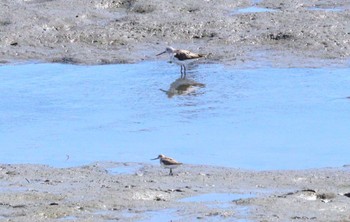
x,y
124,31
195,192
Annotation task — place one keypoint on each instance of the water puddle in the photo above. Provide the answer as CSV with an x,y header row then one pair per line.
x,y
111,215
223,205
252,9
68,218
9,189
319,8
217,197
185,215
217,200
160,215
129,215
265,118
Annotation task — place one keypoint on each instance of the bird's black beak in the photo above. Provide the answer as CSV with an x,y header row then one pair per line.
x,y
161,53
155,158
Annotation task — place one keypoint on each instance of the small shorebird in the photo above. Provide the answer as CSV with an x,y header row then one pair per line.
x,y
181,57
167,162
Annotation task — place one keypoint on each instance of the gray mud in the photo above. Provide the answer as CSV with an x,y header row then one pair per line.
x,y
96,193
306,32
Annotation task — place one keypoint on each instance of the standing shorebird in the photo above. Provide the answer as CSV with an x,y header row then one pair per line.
x,y
181,57
167,162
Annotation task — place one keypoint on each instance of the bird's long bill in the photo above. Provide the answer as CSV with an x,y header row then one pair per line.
x,y
155,158
161,53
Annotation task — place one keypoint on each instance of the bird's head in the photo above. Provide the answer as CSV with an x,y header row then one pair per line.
x,y
159,157
168,50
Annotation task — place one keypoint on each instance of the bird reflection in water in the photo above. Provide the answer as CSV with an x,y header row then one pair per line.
x,y
182,86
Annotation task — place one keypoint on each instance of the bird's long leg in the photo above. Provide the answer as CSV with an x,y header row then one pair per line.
x,y
171,172
181,71
184,71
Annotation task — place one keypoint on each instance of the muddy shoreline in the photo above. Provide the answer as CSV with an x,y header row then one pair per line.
x,y
309,33
106,191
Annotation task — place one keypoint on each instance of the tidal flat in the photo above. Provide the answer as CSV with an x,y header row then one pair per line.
x,y
273,97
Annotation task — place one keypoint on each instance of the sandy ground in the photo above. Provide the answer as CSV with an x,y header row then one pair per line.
x,y
307,32
296,33
144,192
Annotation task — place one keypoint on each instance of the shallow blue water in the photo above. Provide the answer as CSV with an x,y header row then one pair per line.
x,y
66,115
334,9
218,197
252,9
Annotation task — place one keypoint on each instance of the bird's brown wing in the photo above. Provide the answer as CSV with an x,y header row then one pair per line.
x,y
170,161
184,54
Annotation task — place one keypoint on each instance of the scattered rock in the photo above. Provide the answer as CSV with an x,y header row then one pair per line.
x,y
14,43
5,23
326,196
142,9
179,190
12,173
280,36
65,60
159,199
19,206
303,218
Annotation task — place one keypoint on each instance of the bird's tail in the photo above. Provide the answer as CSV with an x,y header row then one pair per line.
x,y
205,55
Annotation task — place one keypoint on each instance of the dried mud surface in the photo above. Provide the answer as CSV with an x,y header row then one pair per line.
x,y
147,192
300,33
